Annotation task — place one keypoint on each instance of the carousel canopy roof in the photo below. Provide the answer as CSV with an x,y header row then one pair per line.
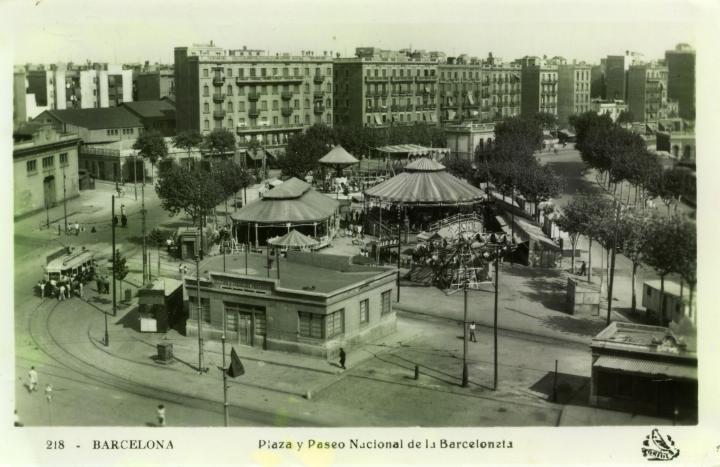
x,y
411,149
293,239
292,202
425,183
338,156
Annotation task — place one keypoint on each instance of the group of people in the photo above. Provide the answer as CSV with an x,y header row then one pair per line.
x,y
66,286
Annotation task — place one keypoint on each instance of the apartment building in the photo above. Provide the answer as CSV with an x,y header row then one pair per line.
x,y
69,86
152,85
259,97
504,89
615,71
379,88
539,92
574,82
681,79
464,91
647,87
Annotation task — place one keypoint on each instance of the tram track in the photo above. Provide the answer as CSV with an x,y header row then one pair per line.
x,y
39,331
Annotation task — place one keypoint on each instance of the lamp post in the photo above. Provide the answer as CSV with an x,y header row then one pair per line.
x,y
465,325
146,264
224,370
495,318
114,257
64,199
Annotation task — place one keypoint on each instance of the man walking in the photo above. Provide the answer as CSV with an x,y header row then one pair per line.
x,y
472,332
161,415
342,358
48,393
32,379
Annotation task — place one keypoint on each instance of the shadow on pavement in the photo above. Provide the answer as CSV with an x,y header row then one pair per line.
x,y
571,324
571,389
131,320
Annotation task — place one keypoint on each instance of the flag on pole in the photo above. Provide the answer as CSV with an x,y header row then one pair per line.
x,y
236,367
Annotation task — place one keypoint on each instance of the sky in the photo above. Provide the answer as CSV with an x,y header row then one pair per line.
x,y
45,31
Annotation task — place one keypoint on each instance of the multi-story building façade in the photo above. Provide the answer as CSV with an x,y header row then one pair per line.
x,y
574,81
539,86
647,85
257,96
380,87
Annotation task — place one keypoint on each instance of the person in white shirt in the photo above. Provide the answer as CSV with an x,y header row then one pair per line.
x,y
472,332
161,415
32,379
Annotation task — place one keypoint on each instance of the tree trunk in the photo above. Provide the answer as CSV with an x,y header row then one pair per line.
x,y
633,305
690,302
572,258
610,284
589,270
226,212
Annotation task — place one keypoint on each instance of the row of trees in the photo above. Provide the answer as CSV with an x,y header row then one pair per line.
x,y
306,148
667,244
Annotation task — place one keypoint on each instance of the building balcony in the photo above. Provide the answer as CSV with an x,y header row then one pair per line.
x,y
250,129
426,79
286,95
218,114
318,79
253,114
286,111
318,95
253,96
402,79
218,97
376,79
548,81
384,93
244,80
318,108
218,80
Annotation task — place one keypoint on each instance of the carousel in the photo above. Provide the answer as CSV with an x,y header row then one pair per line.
x,y
424,198
292,205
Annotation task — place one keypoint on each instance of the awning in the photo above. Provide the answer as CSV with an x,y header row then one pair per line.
x,y
378,120
451,115
647,367
474,113
427,89
433,117
470,98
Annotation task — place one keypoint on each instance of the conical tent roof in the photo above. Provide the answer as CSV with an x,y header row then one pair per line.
x,y
338,156
425,182
293,239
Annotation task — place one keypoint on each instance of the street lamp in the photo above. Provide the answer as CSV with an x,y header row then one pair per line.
x,y
199,312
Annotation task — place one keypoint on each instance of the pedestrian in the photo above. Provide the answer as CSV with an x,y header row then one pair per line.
x,y
61,295
42,288
115,220
17,420
77,228
161,415
342,358
48,393
80,290
123,220
32,379
472,332
180,269
582,268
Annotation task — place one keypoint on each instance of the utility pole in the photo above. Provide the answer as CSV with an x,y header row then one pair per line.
x,y
146,266
224,370
399,216
114,257
612,264
495,317
465,321
199,311
64,200
135,176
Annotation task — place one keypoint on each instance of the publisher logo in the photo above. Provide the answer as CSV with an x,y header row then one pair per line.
x,y
657,447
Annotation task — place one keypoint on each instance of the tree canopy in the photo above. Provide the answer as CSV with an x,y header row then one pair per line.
x,y
220,142
188,188
188,140
151,146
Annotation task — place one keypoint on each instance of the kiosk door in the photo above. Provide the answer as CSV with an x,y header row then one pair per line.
x,y
245,328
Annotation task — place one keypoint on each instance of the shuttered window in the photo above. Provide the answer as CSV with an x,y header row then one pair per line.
x,y
311,325
386,301
364,311
335,323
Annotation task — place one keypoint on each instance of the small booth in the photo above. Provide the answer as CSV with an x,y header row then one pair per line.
x,y
161,305
187,240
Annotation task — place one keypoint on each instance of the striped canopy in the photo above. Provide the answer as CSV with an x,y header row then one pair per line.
x,y
425,182
338,156
292,202
293,239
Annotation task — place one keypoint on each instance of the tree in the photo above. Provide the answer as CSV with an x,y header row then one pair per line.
x,y
151,146
191,189
461,168
518,137
188,140
687,267
663,249
120,268
305,149
586,122
585,214
231,177
538,183
220,142
632,234
546,120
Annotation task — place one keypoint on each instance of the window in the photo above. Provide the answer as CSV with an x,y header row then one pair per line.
x,y
311,325
335,323
229,90
241,106
297,119
206,108
307,103
386,300
206,91
230,107
263,105
206,125
229,72
205,73
63,159
230,123
32,166
205,305
275,121
230,319
48,162
364,311
275,105
297,103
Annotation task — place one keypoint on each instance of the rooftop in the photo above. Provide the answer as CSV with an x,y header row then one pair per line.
x,y
160,108
325,276
96,119
640,338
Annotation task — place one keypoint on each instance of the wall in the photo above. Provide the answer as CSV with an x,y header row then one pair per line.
x,y
636,92
615,87
530,93
29,195
681,81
